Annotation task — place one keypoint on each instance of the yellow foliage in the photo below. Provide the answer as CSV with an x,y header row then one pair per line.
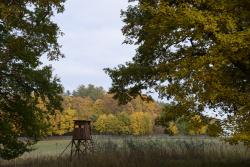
x,y
196,118
173,128
61,122
100,124
203,130
141,123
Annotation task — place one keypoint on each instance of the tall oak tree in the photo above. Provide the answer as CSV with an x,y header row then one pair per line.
x,y
195,52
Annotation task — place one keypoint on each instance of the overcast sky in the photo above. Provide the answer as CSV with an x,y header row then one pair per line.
x,y
92,41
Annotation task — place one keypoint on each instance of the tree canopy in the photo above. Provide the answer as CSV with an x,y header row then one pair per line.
x,y
194,52
90,91
26,34
177,121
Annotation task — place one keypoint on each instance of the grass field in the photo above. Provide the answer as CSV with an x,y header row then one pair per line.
x,y
117,151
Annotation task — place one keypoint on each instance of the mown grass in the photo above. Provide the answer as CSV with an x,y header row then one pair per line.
x,y
152,151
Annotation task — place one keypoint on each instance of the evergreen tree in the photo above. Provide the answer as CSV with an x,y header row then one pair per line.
x,y
90,91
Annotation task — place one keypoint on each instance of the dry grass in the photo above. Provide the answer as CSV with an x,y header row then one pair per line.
x,y
148,152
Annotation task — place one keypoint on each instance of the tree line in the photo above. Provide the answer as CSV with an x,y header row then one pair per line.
x,y
107,116
138,117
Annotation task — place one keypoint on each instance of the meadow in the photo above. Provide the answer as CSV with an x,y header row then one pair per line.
x,y
146,151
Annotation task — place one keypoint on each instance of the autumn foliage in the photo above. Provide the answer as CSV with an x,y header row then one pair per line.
x,y
107,116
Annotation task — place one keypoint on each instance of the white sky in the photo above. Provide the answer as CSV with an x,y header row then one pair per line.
x,y
92,41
